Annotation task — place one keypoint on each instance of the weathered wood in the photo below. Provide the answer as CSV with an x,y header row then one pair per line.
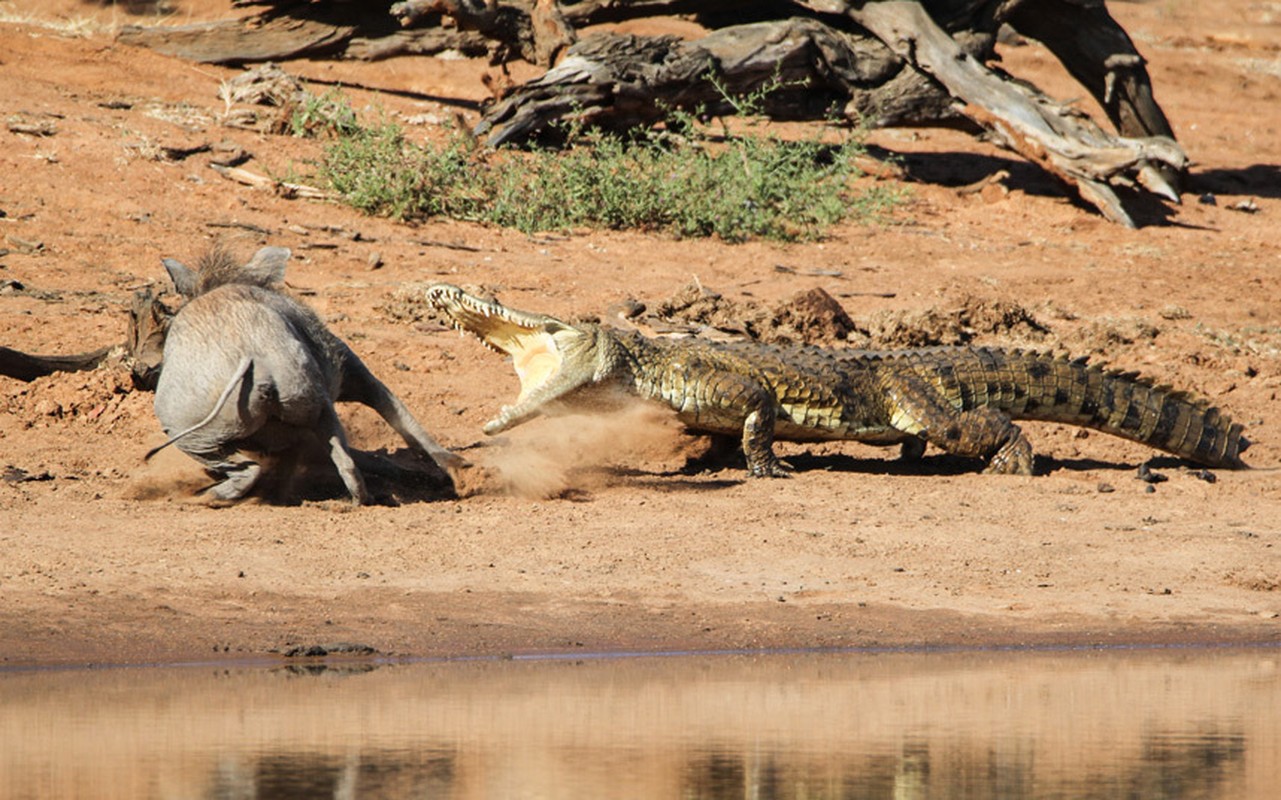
x,y
145,343
878,62
27,367
241,41
418,42
142,349
1101,56
618,81
284,189
512,25
1067,144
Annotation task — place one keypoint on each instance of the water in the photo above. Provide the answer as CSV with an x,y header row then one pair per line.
x,y
1172,723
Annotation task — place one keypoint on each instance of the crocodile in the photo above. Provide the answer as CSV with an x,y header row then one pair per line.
x,y
962,399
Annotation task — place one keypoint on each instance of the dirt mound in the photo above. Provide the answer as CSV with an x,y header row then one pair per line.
x,y
973,319
815,317
808,317
97,397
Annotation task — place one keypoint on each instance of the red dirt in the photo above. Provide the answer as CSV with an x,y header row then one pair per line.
x,y
106,559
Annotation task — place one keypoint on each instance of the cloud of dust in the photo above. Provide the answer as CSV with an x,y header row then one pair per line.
x,y
170,473
556,454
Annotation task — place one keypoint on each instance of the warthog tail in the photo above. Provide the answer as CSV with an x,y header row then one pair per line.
x,y
241,370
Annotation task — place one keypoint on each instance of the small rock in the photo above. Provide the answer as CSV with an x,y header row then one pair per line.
x,y
375,260
180,151
1208,199
630,308
1148,476
1106,488
13,474
42,127
1173,312
427,118
228,154
1247,206
320,650
25,245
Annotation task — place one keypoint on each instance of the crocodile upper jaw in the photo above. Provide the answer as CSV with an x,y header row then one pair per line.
x,y
551,357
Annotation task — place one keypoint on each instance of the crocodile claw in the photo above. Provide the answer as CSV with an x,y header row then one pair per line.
x,y
770,469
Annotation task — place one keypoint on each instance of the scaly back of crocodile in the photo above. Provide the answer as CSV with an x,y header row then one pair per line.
x,y
1035,386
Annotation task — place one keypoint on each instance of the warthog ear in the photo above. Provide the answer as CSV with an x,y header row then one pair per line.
x,y
268,265
185,281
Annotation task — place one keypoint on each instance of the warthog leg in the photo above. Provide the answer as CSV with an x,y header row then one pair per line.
x,y
330,431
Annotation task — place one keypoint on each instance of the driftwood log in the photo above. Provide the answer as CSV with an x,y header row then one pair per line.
x,y
871,62
27,367
893,65
142,350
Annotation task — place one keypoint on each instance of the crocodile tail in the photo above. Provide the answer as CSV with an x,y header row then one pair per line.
x,y
1036,386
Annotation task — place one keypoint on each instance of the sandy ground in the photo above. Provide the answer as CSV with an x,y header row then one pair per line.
x,y
587,534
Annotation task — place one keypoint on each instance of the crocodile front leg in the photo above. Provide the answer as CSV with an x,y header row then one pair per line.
x,y
732,399
918,408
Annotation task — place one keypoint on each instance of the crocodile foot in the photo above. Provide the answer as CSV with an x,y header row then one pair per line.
x,y
769,468
1014,457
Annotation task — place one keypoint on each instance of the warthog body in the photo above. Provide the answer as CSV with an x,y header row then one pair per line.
x,y
249,370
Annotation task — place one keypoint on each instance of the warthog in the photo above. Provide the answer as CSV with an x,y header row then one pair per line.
x,y
249,370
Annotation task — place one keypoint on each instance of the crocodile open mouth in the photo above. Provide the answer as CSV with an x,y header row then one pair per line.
x,y
551,358
528,338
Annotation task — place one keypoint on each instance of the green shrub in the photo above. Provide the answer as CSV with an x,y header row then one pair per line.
x,y
329,113
678,178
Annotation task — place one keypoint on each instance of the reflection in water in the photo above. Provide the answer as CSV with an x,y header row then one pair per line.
x,y
1190,768
305,776
1156,724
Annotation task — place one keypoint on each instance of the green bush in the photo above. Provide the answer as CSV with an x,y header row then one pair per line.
x,y
677,178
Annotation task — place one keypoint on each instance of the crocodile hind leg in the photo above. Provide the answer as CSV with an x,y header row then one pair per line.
x,y
755,406
911,449
987,433
919,409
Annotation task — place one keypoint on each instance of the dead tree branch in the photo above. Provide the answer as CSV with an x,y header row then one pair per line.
x,y
142,350
875,62
1067,144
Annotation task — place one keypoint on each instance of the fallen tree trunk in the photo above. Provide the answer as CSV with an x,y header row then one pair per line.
x,y
241,41
27,367
620,82
142,350
879,63
896,65
1068,145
